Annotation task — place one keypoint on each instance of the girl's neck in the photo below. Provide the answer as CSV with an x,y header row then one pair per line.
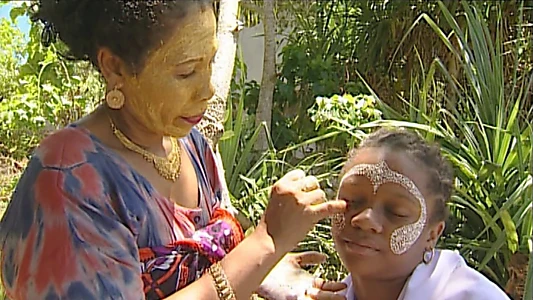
x,y
371,289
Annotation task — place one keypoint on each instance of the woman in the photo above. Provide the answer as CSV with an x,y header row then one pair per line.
x,y
396,187
125,203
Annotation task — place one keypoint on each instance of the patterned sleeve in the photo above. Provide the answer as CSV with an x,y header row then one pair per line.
x,y
61,238
169,268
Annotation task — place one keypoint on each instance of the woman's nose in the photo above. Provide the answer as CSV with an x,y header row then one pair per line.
x,y
206,92
367,220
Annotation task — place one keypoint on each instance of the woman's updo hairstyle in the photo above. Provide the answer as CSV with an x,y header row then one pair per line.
x,y
129,28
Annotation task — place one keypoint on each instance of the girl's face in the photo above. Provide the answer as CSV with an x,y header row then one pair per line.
x,y
386,227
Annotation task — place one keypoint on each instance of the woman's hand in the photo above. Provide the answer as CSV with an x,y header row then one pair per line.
x,y
288,280
296,204
323,290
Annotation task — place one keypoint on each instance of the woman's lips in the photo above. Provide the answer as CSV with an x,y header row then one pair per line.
x,y
193,120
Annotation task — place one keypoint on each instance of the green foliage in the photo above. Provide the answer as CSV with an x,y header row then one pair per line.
x,y
315,62
490,143
236,145
327,113
10,56
41,90
335,41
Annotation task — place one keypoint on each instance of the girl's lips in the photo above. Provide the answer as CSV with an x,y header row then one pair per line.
x,y
360,248
193,120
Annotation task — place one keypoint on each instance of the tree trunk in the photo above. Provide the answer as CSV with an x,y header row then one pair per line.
x,y
228,26
211,126
268,80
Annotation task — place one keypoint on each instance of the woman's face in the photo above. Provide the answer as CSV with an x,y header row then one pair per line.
x,y
376,210
169,96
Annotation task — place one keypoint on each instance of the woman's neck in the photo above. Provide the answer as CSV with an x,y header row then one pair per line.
x,y
370,289
137,132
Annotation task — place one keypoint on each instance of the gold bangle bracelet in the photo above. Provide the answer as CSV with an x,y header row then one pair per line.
x,y
224,290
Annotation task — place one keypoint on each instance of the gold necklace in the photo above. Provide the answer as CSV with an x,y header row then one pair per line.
x,y
168,167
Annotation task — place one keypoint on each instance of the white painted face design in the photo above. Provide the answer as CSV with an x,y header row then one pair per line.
x,y
403,237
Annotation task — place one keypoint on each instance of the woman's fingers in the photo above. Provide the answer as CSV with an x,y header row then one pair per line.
x,y
317,294
293,175
309,183
298,180
316,200
330,286
326,290
294,182
316,196
328,208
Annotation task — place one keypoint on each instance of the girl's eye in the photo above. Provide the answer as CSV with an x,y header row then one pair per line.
x,y
396,213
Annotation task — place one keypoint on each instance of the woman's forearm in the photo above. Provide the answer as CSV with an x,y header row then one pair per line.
x,y
245,267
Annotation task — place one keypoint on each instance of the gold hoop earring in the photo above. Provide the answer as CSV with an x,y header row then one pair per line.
x,y
115,98
428,255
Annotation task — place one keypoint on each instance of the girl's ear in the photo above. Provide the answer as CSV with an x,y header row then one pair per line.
x,y
435,231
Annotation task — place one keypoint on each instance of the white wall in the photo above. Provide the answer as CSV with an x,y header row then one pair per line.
x,y
252,44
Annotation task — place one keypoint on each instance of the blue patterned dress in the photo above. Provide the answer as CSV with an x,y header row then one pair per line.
x,y
83,224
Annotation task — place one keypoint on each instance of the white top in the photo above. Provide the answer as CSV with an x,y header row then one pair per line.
x,y
447,277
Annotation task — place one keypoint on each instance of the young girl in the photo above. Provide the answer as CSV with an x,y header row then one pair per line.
x,y
396,187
